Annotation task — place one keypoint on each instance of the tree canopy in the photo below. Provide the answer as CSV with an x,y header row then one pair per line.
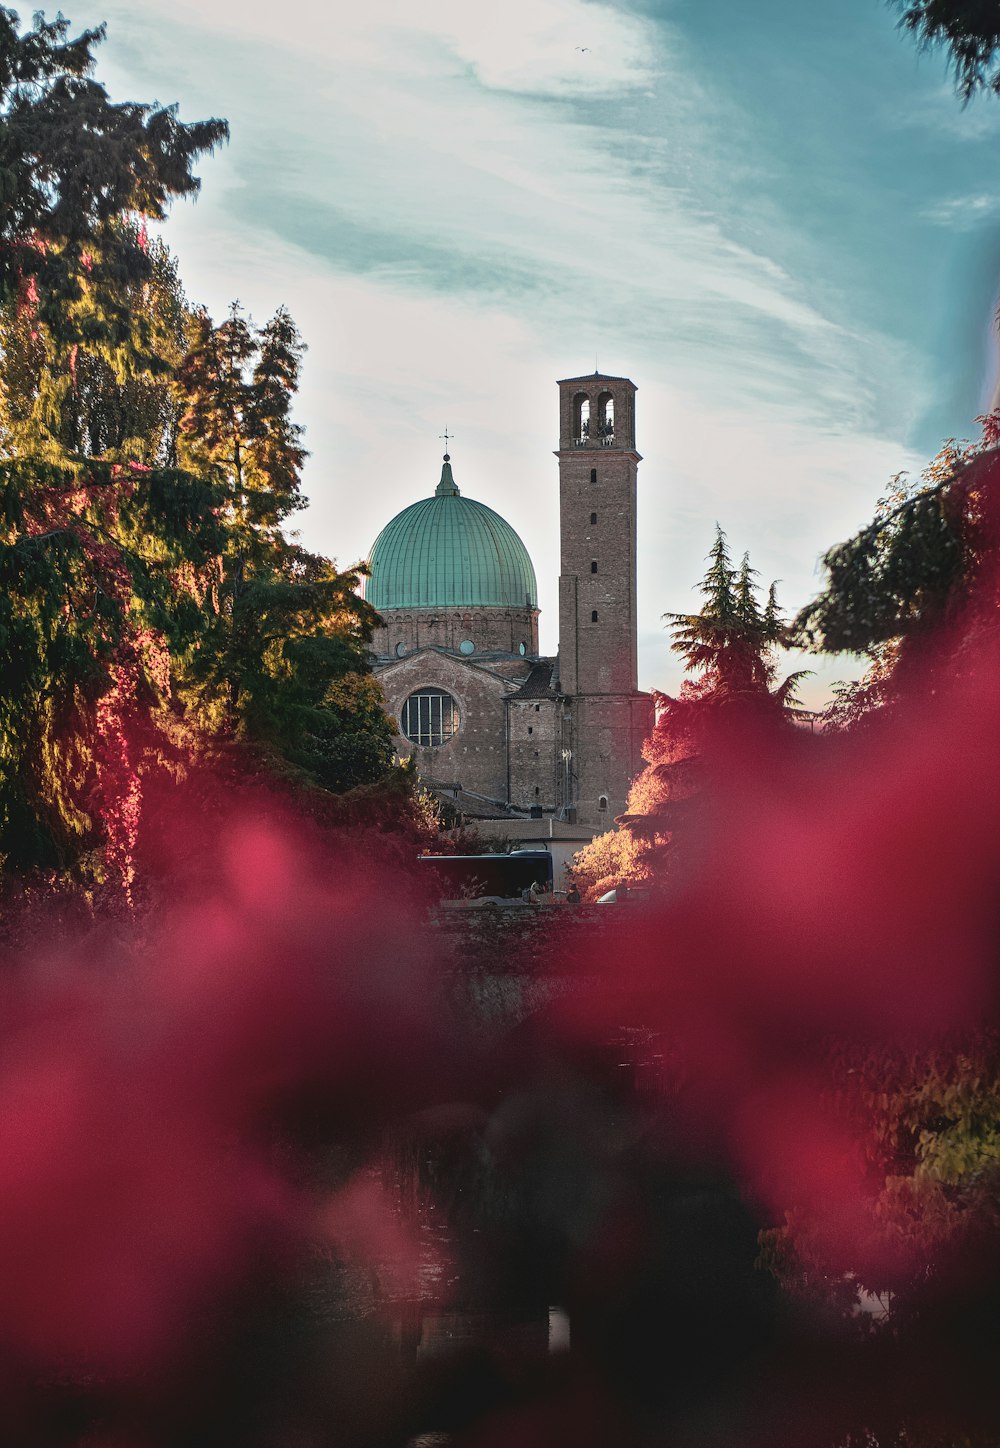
x,y
970,32
73,163
153,611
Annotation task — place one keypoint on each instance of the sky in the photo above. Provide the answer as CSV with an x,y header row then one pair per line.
x,y
776,218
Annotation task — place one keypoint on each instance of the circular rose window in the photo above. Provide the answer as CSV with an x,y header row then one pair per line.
x,y
429,718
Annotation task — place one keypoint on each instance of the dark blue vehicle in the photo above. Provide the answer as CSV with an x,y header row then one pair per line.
x,y
464,877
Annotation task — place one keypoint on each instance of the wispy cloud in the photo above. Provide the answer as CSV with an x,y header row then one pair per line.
x,y
964,213
461,203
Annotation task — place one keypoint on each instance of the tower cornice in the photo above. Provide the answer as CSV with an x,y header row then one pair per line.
x,y
593,450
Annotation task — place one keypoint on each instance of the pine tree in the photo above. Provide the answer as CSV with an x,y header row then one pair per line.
x,y
732,644
732,641
287,667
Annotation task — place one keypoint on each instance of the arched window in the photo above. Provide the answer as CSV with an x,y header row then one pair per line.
x,y
593,616
593,517
593,475
581,416
606,415
429,717
602,803
593,565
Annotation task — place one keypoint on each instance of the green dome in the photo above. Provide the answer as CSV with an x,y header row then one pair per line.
x,y
449,551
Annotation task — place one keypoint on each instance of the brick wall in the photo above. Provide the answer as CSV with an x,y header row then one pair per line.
x,y
607,732
500,630
535,744
476,756
598,474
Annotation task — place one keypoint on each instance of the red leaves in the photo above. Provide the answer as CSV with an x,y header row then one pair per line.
x,y
138,1097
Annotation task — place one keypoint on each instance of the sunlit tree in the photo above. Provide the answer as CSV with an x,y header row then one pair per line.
x,y
731,645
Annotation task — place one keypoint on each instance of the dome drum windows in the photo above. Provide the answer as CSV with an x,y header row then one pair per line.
x,y
429,718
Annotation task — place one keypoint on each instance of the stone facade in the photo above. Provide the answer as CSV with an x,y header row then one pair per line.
x,y
560,737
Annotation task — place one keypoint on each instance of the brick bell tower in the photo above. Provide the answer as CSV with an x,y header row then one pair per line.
x,y
606,718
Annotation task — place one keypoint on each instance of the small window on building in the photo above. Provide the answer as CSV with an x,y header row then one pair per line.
x,y
530,730
593,616
593,517
537,707
522,649
429,718
467,647
593,565
537,790
602,803
400,650
593,475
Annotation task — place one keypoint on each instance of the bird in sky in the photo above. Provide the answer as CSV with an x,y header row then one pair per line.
x,y
583,48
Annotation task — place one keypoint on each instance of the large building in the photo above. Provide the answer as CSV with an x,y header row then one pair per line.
x,y
487,718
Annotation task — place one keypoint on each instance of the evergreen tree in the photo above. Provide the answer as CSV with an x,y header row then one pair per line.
x,y
732,644
970,32
60,401
287,666
732,641
106,592
237,383
915,590
72,162
147,613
